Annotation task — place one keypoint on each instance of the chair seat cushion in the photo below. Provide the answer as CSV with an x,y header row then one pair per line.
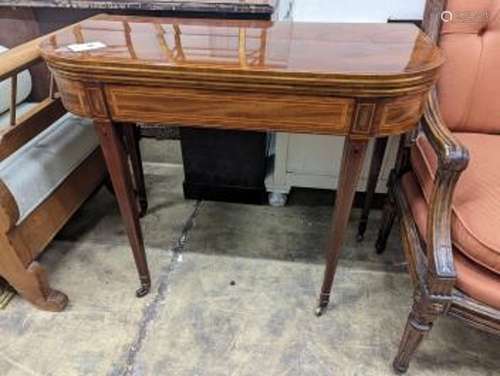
x,y
36,169
476,202
474,280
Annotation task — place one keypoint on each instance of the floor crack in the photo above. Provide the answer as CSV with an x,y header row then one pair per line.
x,y
151,310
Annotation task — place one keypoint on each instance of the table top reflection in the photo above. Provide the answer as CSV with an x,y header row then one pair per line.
x,y
248,46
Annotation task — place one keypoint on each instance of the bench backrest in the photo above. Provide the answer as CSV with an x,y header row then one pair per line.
x,y
23,128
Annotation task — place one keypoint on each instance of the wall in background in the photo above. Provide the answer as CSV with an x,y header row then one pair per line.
x,y
356,10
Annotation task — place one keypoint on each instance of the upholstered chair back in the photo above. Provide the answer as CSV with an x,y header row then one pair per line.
x,y
469,87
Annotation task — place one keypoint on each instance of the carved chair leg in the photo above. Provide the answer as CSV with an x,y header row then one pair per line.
x,y
375,166
419,323
31,282
388,218
131,138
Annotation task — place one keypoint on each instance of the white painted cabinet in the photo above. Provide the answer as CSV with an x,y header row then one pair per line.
x,y
314,161
309,161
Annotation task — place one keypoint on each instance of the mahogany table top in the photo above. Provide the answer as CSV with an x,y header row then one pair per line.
x,y
242,47
360,79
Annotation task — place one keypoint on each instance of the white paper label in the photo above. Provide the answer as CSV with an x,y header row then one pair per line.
x,y
79,47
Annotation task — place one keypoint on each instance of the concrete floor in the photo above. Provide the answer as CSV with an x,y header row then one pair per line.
x,y
234,289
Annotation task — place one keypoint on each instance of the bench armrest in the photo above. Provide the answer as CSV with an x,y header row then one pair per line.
x,y
23,56
24,128
19,58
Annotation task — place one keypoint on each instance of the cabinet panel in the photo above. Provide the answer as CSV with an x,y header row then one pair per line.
x,y
313,161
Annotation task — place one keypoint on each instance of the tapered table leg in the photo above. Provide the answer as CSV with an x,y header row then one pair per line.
x,y
352,164
131,137
375,166
110,136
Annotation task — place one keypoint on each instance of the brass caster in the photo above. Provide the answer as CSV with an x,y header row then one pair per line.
x,y
320,310
398,369
143,291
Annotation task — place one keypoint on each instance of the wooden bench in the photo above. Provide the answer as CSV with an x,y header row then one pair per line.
x,y
50,163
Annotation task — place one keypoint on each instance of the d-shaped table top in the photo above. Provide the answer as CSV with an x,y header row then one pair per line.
x,y
373,56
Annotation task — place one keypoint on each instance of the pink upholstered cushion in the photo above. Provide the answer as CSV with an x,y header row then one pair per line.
x,y
469,86
474,280
476,202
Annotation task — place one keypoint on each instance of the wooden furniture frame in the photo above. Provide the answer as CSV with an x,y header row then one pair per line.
x,y
262,95
430,262
21,243
371,186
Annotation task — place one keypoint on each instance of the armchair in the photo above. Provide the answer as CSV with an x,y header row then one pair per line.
x,y
445,188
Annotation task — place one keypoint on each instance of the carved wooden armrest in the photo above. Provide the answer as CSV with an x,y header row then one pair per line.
x,y
451,153
453,158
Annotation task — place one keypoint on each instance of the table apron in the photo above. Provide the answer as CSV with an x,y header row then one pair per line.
x,y
204,108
